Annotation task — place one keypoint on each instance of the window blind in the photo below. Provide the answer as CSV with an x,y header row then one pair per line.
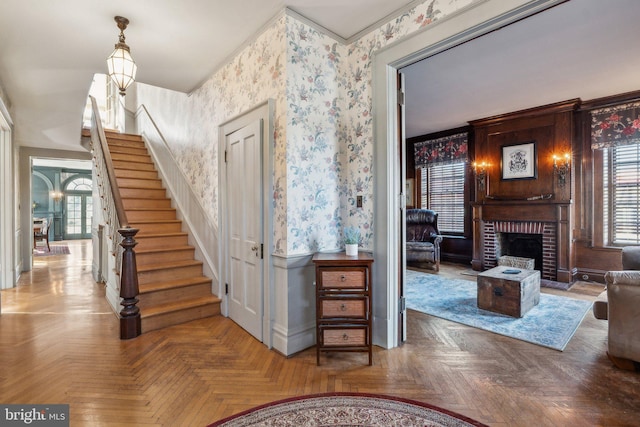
x,y
623,194
443,191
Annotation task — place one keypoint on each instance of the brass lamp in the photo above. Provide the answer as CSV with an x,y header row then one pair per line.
x,y
122,67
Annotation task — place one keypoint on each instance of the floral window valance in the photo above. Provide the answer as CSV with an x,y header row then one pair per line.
x,y
449,149
617,125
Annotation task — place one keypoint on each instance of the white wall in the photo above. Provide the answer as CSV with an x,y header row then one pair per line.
x,y
8,273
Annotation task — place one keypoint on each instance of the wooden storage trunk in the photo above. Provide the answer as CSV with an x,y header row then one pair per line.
x,y
510,294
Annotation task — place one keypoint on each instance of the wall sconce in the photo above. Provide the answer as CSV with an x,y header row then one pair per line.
x,y
480,169
56,196
561,167
122,67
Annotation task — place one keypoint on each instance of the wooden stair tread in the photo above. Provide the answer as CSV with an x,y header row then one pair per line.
x,y
154,222
161,309
146,198
146,161
126,181
150,210
165,249
141,179
118,168
127,144
172,234
135,143
128,149
173,284
133,187
168,265
122,135
172,289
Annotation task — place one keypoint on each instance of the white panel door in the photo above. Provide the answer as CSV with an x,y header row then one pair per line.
x,y
244,184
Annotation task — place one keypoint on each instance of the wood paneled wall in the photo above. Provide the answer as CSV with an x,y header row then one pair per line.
x,y
556,129
550,127
539,198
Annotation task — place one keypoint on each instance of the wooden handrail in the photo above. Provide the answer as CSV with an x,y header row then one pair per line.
x,y
111,173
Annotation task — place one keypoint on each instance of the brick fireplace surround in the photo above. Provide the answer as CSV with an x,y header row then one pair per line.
x,y
490,232
551,220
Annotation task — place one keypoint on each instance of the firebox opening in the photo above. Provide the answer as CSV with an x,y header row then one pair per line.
x,y
521,245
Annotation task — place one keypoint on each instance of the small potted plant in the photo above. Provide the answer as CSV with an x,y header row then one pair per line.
x,y
351,240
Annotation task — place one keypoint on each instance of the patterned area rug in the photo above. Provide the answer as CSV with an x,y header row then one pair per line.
x,y
551,323
55,250
346,409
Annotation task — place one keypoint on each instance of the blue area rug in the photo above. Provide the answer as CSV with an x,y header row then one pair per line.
x,y
551,323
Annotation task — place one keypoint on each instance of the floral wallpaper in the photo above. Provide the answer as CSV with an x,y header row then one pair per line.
x,y
315,133
359,142
190,122
323,126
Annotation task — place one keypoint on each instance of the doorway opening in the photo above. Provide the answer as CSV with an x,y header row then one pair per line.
x,y
485,18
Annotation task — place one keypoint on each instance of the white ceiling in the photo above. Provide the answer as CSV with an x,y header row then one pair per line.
x,y
583,49
49,51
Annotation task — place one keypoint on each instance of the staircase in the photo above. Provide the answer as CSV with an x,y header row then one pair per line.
x,y
172,286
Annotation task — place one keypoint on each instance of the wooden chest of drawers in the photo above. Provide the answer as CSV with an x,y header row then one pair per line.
x,y
343,303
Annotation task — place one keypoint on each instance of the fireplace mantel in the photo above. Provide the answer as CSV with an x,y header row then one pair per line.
x,y
489,215
540,199
520,210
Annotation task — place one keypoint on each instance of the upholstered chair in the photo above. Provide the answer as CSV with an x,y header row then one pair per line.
x,y
423,237
621,308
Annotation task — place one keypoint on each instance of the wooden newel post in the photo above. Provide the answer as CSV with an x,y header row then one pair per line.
x,y
130,325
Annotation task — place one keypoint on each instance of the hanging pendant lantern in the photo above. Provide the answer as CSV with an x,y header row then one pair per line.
x,y
122,67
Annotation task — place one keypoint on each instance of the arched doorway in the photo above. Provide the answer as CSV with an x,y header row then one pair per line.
x,y
78,208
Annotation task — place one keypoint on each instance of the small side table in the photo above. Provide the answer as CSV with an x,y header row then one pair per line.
x,y
343,303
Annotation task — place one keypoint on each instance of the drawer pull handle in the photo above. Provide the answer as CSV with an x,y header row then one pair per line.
x,y
345,337
343,307
343,278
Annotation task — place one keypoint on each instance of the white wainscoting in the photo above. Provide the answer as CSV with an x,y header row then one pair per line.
x,y
294,314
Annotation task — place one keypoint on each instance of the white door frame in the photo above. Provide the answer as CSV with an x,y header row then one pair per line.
x,y
24,171
264,111
8,274
470,22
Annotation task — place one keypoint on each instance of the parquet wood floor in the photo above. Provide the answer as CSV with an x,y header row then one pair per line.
x,y
59,344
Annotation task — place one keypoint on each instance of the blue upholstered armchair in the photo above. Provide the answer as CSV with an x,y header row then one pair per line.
x,y
423,238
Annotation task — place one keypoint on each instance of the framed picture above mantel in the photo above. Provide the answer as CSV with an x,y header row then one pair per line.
x,y
519,161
